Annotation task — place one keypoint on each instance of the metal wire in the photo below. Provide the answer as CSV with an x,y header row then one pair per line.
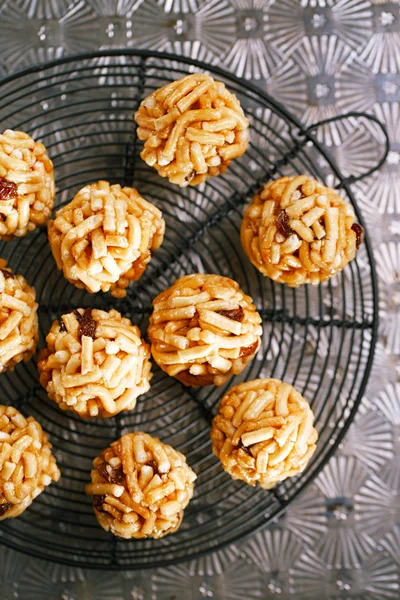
x,y
320,339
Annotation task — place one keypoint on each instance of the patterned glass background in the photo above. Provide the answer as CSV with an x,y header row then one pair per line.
x,y
341,539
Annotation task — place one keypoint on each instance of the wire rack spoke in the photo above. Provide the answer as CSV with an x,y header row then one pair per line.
x,y
130,157
282,316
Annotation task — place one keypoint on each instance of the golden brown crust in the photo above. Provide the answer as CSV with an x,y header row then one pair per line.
x,y
95,364
263,432
27,465
140,487
192,129
27,187
298,231
105,237
204,329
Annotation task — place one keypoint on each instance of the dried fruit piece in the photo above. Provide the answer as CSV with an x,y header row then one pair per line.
x,y
249,350
7,274
4,508
190,176
194,380
98,502
87,326
282,223
154,466
236,314
111,474
244,448
359,231
8,189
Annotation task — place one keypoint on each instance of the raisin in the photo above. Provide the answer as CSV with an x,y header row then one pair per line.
x,y
154,466
98,502
103,471
4,508
62,326
359,231
190,175
87,325
8,189
282,223
110,474
236,314
195,380
245,448
7,274
248,350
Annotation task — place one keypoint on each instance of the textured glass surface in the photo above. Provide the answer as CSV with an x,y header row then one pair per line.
x,y
341,539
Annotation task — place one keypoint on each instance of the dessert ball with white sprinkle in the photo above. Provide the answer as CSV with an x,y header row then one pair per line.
x,y
296,230
263,432
140,487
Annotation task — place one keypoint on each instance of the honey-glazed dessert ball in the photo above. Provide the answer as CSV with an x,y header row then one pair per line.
x,y
95,364
105,237
27,187
204,329
27,465
263,432
18,319
140,487
192,129
297,231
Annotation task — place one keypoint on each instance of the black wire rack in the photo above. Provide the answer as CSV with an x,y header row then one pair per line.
x,y
321,339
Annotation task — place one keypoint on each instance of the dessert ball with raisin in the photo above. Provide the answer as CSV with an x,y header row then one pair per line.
x,y
297,231
27,187
192,129
140,487
204,329
263,432
105,237
95,363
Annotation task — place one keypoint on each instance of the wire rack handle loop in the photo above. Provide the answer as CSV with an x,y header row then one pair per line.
x,y
354,115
